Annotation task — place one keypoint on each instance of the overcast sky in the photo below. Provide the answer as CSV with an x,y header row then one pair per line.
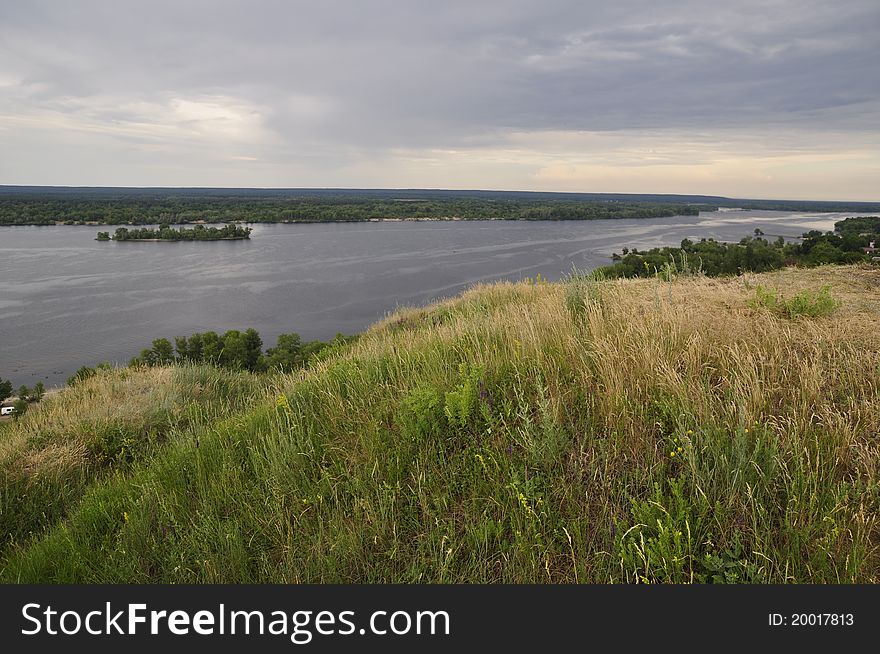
x,y
771,98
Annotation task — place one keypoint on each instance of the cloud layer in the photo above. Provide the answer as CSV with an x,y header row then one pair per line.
x,y
772,98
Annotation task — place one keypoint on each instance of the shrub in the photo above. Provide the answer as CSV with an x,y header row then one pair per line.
x,y
806,303
82,374
423,413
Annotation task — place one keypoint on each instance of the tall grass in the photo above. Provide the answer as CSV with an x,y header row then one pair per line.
x,y
101,428
590,431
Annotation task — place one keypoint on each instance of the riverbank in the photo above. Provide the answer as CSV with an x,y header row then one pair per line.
x,y
331,221
177,240
623,431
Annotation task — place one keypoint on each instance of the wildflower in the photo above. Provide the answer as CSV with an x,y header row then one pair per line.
x,y
281,403
747,430
125,516
690,432
672,453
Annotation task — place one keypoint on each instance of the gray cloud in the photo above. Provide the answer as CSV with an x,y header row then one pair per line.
x,y
341,84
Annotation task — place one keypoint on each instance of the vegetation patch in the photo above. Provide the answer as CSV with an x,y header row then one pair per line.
x,y
810,304
629,431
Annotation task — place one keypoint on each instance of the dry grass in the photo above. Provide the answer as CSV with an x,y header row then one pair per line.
x,y
53,437
627,430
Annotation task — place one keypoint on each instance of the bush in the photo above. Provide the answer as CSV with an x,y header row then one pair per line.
x,y
423,413
82,374
806,303
20,407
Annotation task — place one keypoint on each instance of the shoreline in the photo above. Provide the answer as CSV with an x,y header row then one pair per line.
x,y
330,222
170,240
380,220
341,220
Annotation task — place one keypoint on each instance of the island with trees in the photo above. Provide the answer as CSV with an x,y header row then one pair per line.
x,y
167,233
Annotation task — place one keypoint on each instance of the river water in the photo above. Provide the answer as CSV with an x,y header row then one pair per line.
x,y
68,300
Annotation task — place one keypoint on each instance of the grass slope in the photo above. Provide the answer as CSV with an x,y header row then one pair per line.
x,y
619,431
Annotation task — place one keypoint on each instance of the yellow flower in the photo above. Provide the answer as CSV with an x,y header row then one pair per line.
x,y
672,453
125,516
747,430
690,432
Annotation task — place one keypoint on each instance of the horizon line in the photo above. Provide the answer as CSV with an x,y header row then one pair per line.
x,y
429,189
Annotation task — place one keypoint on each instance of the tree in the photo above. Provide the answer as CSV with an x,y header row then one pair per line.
x,y
163,352
286,355
23,392
253,348
824,252
196,348
212,347
234,352
38,392
181,345
20,407
5,389
147,358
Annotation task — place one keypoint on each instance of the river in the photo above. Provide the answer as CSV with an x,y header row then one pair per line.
x,y
68,300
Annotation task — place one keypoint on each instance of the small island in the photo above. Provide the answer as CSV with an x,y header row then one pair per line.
x,y
168,233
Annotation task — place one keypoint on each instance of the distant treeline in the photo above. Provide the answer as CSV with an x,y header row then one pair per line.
x,y
234,349
124,210
168,233
848,243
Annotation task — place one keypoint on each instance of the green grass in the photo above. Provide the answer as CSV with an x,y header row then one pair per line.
x,y
806,303
593,431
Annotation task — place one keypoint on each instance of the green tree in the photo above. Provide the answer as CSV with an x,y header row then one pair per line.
x,y
24,392
38,392
253,349
286,355
19,408
181,346
5,389
212,347
824,252
163,352
235,351
196,348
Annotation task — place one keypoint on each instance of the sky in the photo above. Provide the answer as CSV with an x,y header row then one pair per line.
x,y
759,99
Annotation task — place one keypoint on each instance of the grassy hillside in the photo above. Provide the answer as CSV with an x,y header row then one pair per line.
x,y
694,430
